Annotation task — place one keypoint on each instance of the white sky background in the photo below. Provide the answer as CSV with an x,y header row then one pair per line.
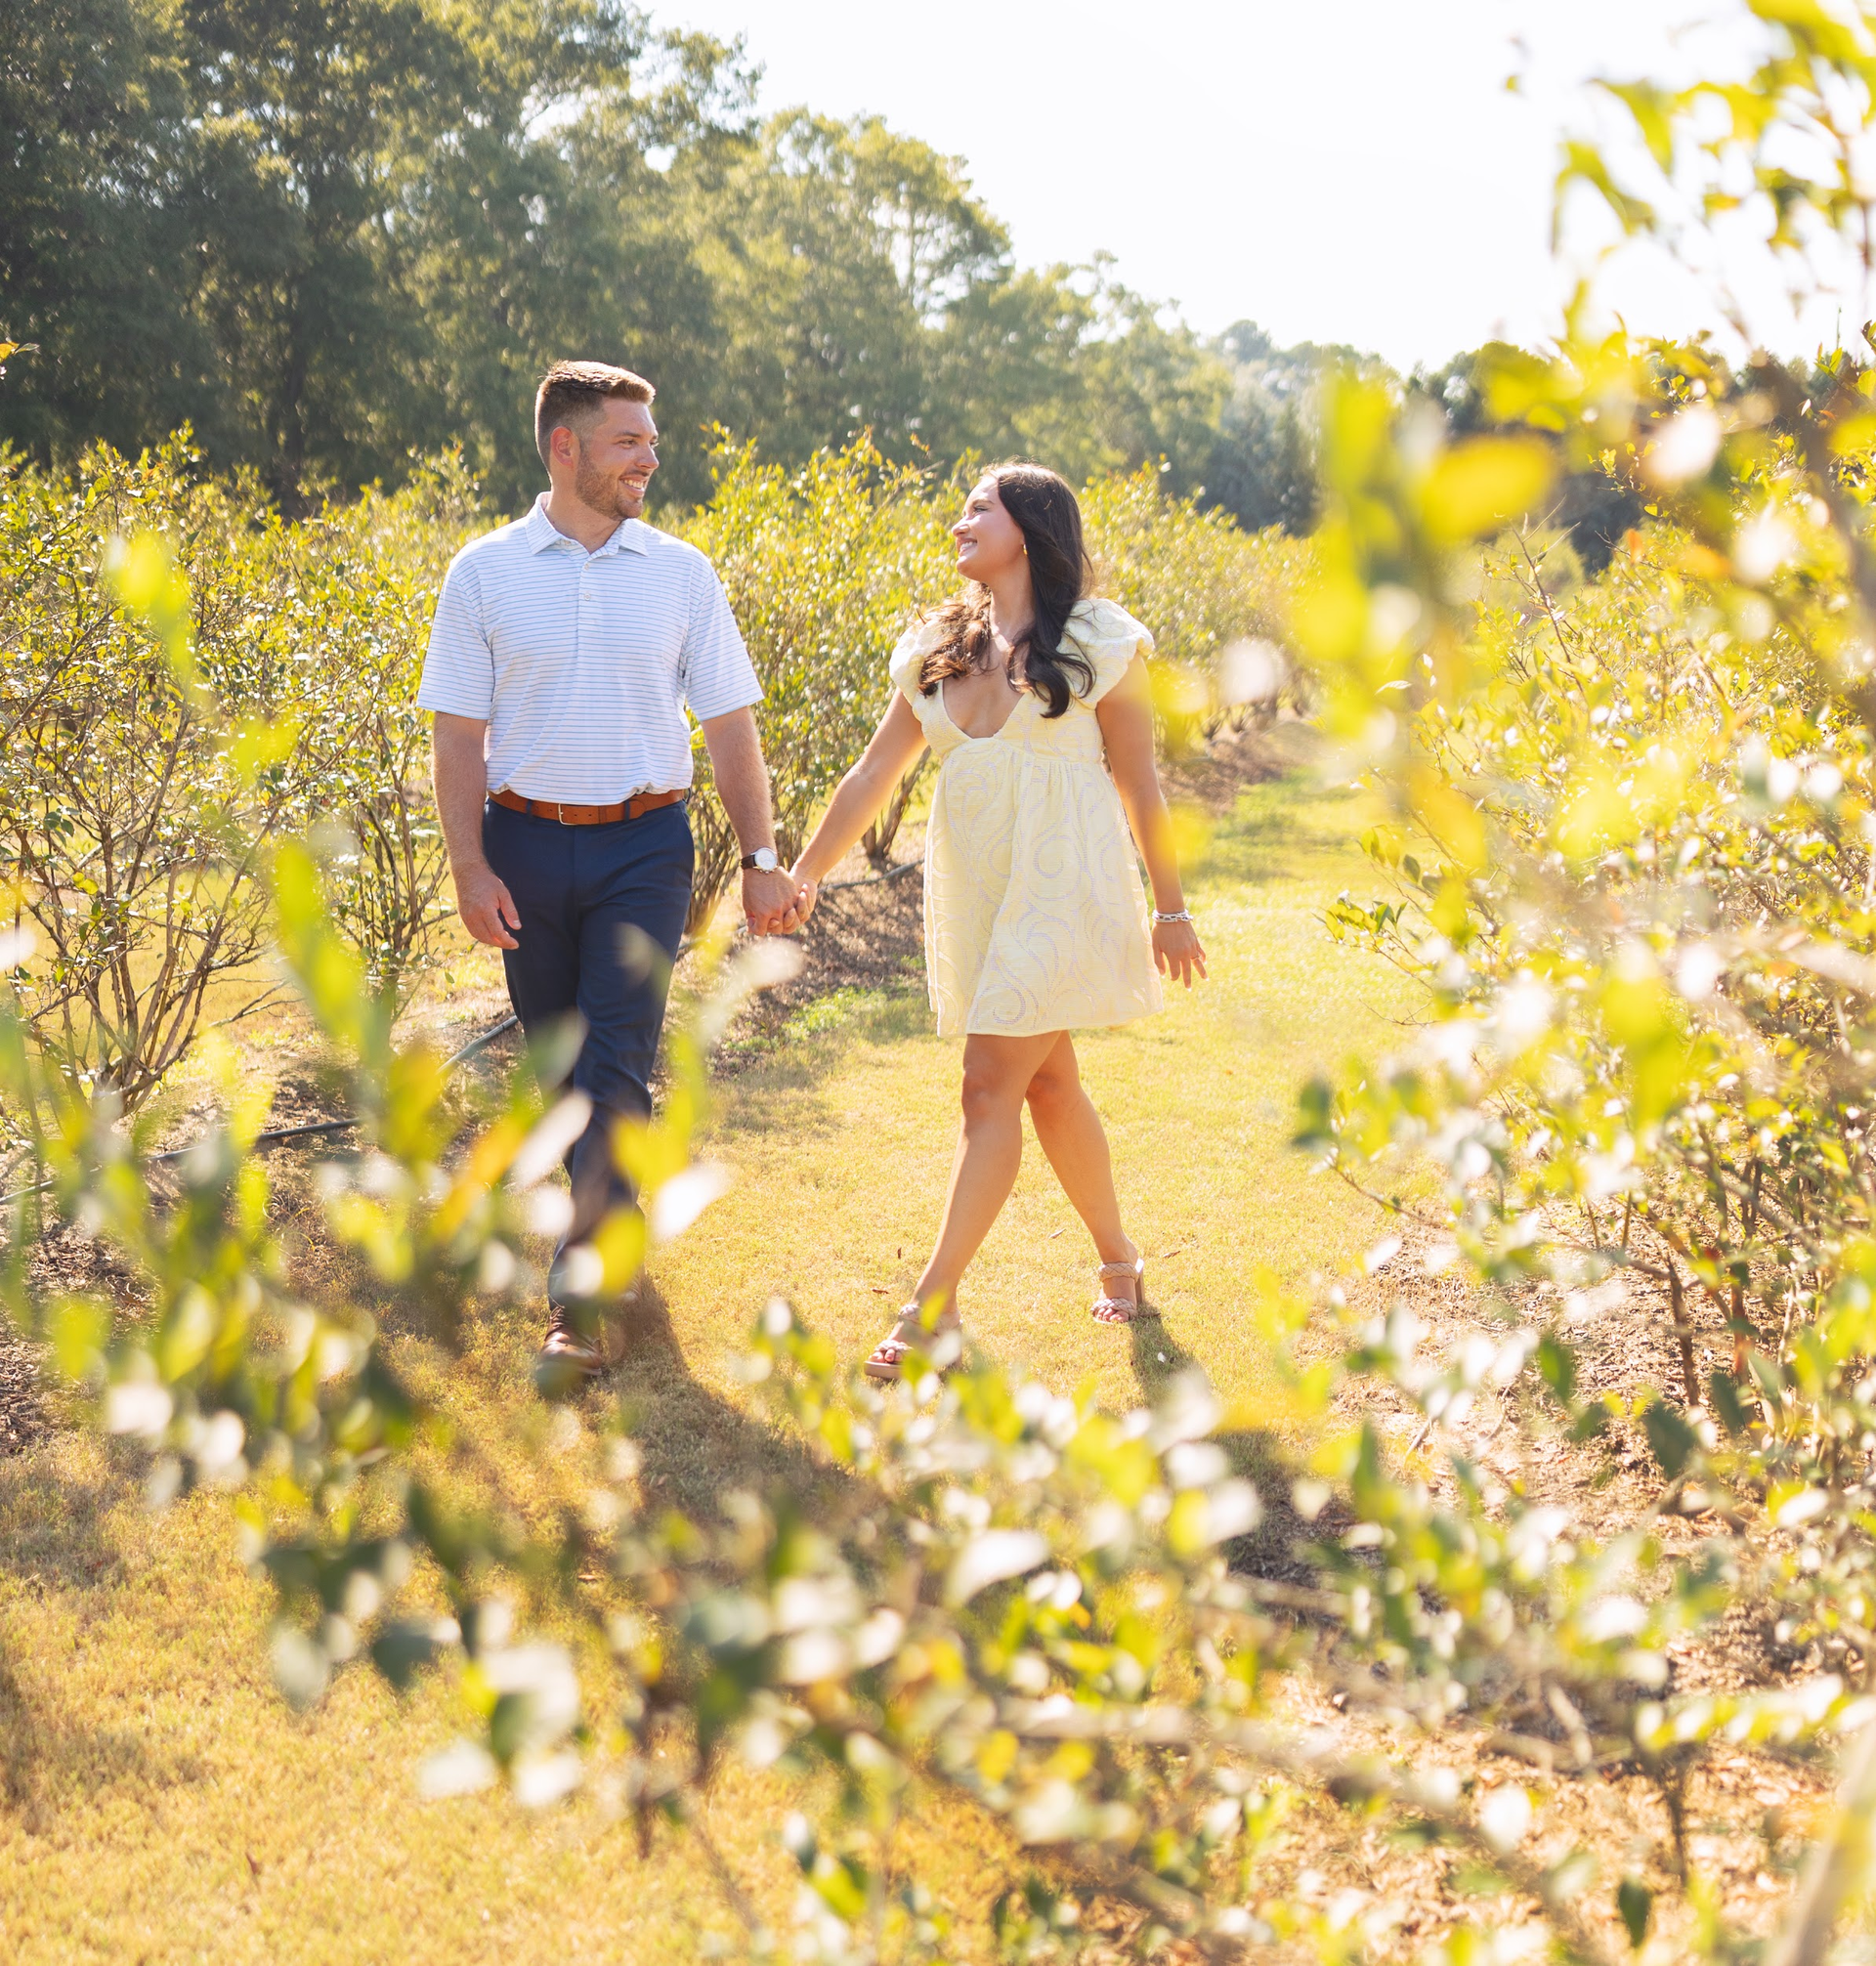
x,y
1336,170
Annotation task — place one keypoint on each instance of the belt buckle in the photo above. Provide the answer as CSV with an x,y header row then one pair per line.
x,y
560,812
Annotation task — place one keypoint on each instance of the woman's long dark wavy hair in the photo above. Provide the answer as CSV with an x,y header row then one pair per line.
x,y
1043,508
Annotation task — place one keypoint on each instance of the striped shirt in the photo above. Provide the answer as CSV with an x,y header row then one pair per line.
x,y
584,665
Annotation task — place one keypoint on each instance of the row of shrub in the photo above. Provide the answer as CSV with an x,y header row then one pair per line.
x,y
1630,828
1632,860
140,788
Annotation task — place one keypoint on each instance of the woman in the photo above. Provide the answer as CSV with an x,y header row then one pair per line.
x,y
1034,922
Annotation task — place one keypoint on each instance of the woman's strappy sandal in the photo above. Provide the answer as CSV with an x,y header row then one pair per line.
x,y
1107,1308
888,1356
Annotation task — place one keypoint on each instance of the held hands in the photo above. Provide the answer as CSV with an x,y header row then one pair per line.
x,y
1177,951
487,907
775,904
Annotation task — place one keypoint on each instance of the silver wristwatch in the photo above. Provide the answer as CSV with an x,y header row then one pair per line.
x,y
762,860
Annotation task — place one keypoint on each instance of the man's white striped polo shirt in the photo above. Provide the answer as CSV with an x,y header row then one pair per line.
x,y
583,664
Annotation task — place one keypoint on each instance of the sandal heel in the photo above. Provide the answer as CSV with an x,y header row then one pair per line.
x,y
944,1347
1109,1310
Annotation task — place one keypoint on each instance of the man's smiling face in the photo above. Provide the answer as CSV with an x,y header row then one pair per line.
x,y
616,455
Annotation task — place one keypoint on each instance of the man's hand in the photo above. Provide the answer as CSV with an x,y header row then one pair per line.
x,y
487,907
772,901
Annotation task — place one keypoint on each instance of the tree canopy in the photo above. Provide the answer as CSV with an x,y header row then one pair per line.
x,y
331,235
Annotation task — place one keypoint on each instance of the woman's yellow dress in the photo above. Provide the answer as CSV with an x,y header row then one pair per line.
x,y
1035,917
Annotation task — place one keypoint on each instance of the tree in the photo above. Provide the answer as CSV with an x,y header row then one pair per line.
x,y
1263,466
566,223
1594,508
314,116
331,235
838,252
91,95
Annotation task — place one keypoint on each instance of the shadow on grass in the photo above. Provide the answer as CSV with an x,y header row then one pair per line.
x,y
782,1091
57,1536
1273,1550
56,1531
695,1444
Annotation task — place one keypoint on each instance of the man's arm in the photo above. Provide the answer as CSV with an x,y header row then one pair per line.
x,y
462,779
769,900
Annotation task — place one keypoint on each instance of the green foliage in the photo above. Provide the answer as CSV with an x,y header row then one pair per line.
x,y
825,569
148,762
1631,862
260,680
1630,859
1210,595
976,1585
336,234
1592,509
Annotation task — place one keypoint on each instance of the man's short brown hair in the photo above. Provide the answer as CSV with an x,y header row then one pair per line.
x,y
572,393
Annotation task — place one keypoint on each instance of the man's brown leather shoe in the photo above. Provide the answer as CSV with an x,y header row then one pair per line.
x,y
569,1358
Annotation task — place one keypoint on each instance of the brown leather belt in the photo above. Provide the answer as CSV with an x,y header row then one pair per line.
x,y
587,815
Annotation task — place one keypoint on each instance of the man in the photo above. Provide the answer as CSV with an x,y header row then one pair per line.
x,y
566,650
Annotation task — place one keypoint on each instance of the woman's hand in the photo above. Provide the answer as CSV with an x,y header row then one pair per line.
x,y
807,892
1177,951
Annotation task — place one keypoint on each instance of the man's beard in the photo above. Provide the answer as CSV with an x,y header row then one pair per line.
x,y
594,489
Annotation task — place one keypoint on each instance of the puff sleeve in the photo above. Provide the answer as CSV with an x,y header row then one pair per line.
x,y
908,659
1110,638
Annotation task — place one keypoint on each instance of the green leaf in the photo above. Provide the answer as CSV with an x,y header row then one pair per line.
x,y
1728,1403
79,1329
1636,1904
150,585
1652,107
1315,1110
1477,489
1672,1442
1557,1361
401,1650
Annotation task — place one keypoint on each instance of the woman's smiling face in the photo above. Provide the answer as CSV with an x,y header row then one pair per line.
x,y
989,540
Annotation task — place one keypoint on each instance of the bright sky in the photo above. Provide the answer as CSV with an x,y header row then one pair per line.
x,y
1338,170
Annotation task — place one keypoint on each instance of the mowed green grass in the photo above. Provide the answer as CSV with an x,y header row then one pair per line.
x,y
842,1147
158,1802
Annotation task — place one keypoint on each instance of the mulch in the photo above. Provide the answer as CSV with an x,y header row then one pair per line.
x,y
23,1414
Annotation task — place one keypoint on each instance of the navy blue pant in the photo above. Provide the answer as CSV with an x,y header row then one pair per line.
x,y
602,910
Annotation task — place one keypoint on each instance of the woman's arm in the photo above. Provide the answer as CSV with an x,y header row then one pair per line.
x,y
1126,715
861,795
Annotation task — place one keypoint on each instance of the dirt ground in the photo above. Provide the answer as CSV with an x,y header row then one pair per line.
x,y
1748,1809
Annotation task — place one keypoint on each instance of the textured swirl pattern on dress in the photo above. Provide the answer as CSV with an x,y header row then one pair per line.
x,y
1036,919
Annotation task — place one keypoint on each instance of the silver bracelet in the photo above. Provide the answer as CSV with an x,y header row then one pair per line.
x,y
1185,915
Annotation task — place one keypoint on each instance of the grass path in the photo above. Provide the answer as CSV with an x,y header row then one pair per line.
x,y
159,1803
841,1145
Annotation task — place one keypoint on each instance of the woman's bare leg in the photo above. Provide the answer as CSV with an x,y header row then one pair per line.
x,y
990,1149
1070,1133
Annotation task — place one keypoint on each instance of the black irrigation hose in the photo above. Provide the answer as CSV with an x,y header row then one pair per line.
x,y
275,1134
266,1139
872,880
481,1042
